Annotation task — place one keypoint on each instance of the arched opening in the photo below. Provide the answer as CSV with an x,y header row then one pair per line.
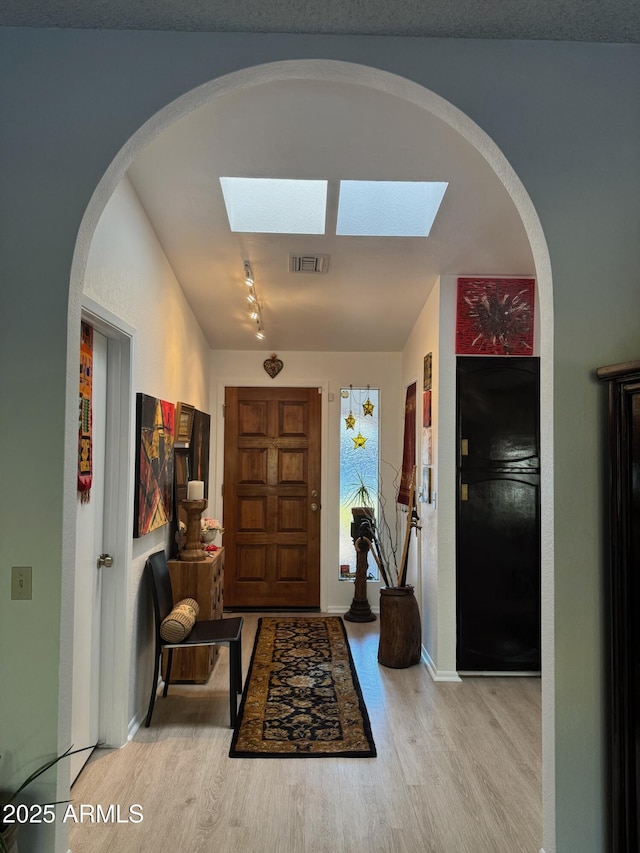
x,y
428,101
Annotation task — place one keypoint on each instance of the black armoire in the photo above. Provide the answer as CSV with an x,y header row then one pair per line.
x,y
624,603
498,514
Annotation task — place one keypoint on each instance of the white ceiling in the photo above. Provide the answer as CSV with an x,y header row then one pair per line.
x,y
375,287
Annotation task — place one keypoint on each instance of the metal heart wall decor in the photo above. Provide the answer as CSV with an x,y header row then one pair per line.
x,y
273,365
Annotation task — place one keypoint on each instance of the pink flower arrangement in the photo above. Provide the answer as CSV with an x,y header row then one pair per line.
x,y
210,524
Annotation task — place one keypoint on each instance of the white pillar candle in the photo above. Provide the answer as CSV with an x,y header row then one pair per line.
x,y
195,490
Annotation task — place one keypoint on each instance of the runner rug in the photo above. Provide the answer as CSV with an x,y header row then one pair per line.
x,y
302,698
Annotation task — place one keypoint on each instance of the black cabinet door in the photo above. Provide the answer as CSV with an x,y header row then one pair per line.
x,y
498,515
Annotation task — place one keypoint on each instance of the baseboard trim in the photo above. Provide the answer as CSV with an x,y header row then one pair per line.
x,y
135,724
438,675
471,673
341,609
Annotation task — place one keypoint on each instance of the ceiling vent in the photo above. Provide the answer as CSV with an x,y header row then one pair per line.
x,y
309,263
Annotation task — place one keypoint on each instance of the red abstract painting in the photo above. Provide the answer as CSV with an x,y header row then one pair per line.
x,y
409,447
494,316
154,464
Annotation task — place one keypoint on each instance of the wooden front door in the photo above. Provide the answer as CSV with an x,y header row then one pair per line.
x,y
272,497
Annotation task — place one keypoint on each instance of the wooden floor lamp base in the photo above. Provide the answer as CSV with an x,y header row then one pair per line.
x,y
360,611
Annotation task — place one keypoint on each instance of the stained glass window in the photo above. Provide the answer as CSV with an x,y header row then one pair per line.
x,y
359,464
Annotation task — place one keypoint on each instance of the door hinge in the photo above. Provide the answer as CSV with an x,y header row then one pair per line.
x,y
224,410
464,447
464,491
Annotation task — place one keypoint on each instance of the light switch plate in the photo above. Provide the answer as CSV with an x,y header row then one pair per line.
x,y
21,583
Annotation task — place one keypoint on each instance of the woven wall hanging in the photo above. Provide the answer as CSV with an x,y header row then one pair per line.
x,y
85,461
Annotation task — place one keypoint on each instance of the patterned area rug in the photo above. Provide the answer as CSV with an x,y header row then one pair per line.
x,y
302,698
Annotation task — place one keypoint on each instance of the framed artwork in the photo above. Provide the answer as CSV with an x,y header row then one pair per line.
x,y
426,408
199,449
494,316
181,465
428,367
155,423
427,446
184,422
409,446
181,478
426,484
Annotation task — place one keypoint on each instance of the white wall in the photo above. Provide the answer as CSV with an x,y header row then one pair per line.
x,y
434,332
446,454
332,370
425,338
129,275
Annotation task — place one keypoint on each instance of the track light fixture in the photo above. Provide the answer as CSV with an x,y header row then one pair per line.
x,y
255,308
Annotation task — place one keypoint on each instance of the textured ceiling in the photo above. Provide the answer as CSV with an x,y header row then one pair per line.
x,y
570,20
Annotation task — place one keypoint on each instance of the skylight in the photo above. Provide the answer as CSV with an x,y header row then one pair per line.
x,y
388,208
275,205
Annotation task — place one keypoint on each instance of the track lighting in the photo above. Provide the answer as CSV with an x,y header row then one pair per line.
x,y
255,308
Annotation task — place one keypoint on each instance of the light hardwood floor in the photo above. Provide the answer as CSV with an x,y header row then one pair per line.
x,y
458,771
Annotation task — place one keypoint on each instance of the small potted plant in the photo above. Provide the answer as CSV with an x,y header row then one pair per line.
x,y
362,503
367,503
10,819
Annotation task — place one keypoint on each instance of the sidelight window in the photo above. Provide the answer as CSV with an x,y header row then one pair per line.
x,y
359,467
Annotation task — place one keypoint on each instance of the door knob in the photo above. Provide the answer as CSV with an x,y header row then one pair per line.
x,y
314,507
105,561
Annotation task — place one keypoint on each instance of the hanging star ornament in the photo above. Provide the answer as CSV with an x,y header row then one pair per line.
x,y
359,441
350,421
367,407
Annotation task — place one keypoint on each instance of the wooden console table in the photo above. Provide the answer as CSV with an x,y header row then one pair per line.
x,y
202,581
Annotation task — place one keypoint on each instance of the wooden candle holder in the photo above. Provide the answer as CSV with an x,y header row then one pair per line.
x,y
193,551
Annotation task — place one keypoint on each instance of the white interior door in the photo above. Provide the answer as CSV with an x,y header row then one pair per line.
x,y
89,545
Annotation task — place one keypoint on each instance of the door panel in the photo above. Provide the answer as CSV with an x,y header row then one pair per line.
x,y
499,555
88,584
272,523
292,515
498,404
252,466
498,516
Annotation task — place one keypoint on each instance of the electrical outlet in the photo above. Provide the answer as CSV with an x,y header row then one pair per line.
x,y
21,583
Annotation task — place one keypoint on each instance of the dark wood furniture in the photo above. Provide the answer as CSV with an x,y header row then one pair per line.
x,y
624,602
205,634
202,580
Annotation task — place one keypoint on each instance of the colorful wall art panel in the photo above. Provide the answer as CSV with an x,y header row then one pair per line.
x,y
155,427
85,443
409,446
428,369
494,316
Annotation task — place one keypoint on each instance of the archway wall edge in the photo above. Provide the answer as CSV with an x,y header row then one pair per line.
x,y
416,93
